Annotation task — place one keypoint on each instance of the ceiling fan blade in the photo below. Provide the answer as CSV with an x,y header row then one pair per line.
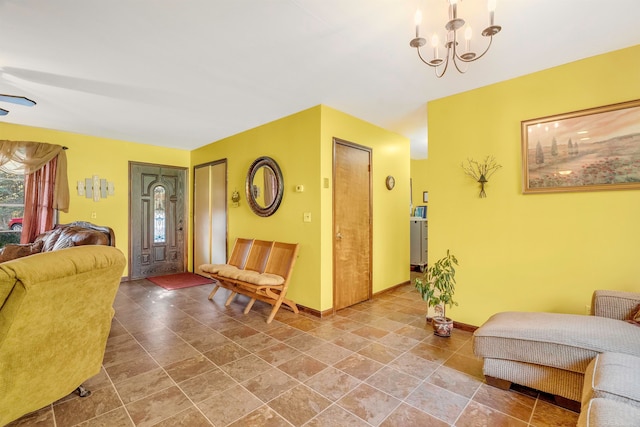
x,y
3,112
17,100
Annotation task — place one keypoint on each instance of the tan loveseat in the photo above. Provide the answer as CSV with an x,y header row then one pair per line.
x,y
55,315
553,352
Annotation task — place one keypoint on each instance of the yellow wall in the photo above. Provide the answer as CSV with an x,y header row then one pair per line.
x,y
537,252
108,158
293,143
302,144
390,208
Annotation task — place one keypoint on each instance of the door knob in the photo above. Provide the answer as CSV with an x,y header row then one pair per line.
x,y
339,235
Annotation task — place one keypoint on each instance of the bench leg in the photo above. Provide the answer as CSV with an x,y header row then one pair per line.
x,y
248,307
213,292
291,305
274,310
230,299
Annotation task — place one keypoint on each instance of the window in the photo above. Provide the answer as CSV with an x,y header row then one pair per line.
x,y
11,207
159,224
11,200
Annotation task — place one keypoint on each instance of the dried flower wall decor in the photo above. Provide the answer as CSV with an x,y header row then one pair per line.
x,y
481,171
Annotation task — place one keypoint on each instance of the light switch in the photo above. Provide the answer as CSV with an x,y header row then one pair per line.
x,y
307,217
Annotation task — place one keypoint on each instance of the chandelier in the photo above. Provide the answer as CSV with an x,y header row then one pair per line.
x,y
454,52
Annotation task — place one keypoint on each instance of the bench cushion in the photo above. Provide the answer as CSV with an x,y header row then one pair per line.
x,y
563,341
217,268
614,376
260,279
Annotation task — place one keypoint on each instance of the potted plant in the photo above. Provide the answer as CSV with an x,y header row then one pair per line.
x,y
437,287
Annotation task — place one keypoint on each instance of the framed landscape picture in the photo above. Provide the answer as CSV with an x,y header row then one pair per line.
x,y
588,150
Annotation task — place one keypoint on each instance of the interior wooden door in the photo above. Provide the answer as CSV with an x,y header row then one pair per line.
x,y
210,214
156,220
352,219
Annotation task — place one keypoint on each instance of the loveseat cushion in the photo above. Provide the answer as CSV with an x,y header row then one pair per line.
x,y
610,413
563,341
613,376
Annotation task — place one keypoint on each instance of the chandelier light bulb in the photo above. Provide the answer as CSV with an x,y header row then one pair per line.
x,y
418,20
435,41
467,37
491,5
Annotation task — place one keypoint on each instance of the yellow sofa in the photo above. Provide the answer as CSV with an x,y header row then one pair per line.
x,y
55,316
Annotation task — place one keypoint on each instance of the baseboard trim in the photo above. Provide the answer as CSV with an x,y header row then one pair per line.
x,y
331,312
464,326
389,289
314,312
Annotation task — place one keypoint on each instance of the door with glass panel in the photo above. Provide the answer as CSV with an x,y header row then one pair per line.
x,y
157,220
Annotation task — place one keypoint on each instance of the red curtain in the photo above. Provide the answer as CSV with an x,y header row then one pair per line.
x,y
39,212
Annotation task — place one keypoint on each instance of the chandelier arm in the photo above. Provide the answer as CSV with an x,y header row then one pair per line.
x,y
446,65
422,59
455,62
481,55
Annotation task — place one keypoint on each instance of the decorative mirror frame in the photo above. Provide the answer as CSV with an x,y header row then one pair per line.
x,y
253,169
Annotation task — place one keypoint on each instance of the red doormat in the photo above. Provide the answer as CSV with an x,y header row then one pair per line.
x,y
179,280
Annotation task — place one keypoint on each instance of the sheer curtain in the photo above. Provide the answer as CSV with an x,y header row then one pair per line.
x,y
46,186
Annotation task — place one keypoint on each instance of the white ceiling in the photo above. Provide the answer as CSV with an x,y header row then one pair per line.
x,y
184,73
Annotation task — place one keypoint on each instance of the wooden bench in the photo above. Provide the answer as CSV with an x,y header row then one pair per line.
x,y
259,269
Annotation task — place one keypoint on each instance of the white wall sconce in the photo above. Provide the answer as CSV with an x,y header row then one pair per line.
x,y
96,188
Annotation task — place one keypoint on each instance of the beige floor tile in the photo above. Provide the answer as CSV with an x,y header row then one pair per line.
x,y
229,406
368,403
436,401
394,382
299,404
157,407
335,416
332,383
270,384
408,416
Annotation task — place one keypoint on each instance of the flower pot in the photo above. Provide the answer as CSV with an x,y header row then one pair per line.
x,y
442,326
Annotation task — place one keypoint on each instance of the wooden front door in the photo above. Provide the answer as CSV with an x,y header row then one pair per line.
x,y
157,220
352,238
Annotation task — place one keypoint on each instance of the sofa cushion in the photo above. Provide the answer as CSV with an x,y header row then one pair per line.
x,y
614,376
610,413
562,341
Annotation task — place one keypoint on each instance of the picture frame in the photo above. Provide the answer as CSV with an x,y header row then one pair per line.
x,y
425,196
587,150
420,212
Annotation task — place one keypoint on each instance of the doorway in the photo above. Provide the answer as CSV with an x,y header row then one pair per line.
x,y
156,220
210,214
352,224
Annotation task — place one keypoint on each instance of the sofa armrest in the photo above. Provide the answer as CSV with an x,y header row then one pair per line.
x,y
614,304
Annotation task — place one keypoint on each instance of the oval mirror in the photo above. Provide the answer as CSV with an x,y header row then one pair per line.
x,y
264,186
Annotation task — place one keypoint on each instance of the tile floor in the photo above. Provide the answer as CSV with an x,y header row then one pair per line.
x,y
174,358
